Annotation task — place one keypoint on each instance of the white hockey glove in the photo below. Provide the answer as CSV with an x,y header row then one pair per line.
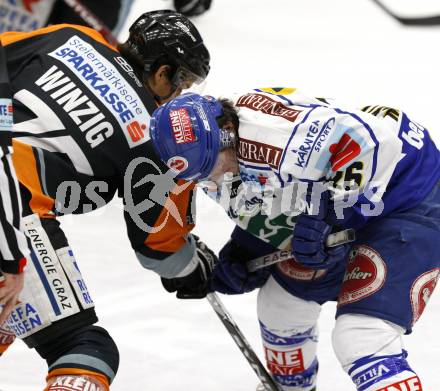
x,y
194,285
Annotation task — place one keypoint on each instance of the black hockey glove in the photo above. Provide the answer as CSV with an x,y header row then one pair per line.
x,y
192,7
230,275
194,285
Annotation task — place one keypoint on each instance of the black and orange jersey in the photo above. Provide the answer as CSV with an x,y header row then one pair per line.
x,y
81,120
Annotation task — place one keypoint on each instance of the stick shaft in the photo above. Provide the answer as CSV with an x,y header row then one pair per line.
x,y
408,21
92,20
242,343
333,240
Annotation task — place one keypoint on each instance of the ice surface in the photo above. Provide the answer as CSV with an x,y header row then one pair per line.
x,y
344,49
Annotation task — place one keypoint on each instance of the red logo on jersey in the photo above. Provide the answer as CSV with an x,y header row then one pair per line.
x,y
365,274
412,384
177,163
262,179
421,291
182,126
284,362
258,102
136,130
343,152
255,152
293,269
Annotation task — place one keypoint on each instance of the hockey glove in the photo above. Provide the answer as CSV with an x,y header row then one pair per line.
x,y
310,235
308,244
194,285
192,7
230,275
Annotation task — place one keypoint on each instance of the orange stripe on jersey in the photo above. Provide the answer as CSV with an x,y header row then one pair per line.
x,y
78,372
171,232
3,348
15,36
26,168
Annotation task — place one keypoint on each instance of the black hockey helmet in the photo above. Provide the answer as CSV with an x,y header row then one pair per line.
x,y
168,35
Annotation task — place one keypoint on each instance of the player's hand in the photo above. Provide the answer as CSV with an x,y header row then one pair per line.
x,y
194,285
230,275
10,287
310,235
7,336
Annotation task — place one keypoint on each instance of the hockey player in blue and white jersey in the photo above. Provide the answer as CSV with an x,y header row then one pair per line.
x,y
372,169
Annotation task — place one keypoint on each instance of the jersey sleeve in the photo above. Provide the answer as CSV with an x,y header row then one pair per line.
x,y
159,216
352,152
361,163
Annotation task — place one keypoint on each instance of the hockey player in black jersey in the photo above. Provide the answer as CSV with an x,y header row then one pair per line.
x,y
82,112
13,244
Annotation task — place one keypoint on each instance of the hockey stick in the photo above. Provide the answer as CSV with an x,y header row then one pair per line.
x,y
92,20
333,240
242,343
410,21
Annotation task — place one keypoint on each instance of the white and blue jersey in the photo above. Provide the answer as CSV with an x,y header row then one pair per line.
x,y
376,159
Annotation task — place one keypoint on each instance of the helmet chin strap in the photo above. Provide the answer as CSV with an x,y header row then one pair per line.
x,y
161,100
156,97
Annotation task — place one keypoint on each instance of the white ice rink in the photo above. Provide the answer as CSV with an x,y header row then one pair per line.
x,y
338,48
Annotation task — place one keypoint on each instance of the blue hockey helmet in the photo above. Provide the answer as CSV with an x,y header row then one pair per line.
x,y
186,136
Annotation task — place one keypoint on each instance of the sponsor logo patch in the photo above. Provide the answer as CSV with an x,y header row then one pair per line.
x,y
177,163
365,274
284,362
421,292
412,384
136,131
6,113
182,126
343,152
259,102
24,320
293,269
314,139
101,77
260,153
74,383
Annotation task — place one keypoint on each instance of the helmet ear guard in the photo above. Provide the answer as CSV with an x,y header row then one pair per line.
x,y
186,137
